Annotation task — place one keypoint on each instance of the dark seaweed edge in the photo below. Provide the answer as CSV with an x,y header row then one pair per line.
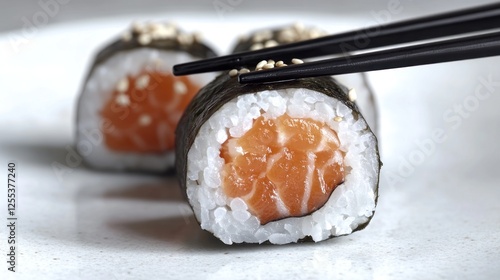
x,y
225,88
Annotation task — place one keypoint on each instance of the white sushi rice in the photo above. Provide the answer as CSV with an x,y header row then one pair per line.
x,y
350,205
97,91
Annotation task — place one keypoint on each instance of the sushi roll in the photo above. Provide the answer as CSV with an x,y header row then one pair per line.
x,y
360,90
131,103
279,163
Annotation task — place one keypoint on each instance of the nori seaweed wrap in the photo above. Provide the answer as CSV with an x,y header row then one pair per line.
x,y
130,103
281,162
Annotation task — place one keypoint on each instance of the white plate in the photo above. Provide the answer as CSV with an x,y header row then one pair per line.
x,y
438,212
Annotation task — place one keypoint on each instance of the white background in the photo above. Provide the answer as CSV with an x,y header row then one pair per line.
x,y
438,213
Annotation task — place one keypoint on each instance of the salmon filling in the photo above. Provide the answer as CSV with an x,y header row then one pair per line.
x,y
144,111
283,167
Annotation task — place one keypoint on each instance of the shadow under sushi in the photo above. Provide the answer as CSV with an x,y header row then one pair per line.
x,y
185,232
38,154
164,190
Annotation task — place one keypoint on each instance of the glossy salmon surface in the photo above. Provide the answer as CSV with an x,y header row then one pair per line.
x,y
283,167
144,111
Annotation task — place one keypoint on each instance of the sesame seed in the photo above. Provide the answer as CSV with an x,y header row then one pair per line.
x,y
122,85
268,66
164,33
262,35
297,61
122,99
244,70
338,119
315,33
144,39
197,36
142,82
287,35
279,63
171,28
270,44
156,25
270,61
260,64
144,120
352,95
256,46
138,27
185,39
233,72
180,87
299,26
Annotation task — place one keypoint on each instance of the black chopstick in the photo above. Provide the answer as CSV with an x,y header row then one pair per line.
x,y
447,24
444,51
